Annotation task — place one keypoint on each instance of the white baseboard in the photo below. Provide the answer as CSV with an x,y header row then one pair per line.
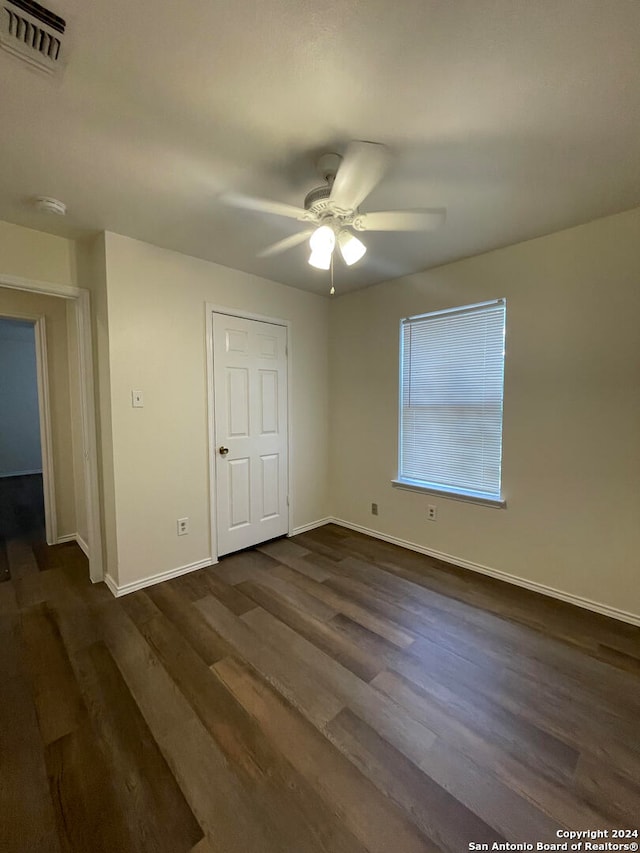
x,y
311,526
83,545
113,586
21,473
74,537
126,588
585,603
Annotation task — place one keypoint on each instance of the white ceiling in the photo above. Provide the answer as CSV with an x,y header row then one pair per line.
x,y
519,117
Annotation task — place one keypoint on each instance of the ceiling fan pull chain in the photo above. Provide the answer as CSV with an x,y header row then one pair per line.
x,y
333,290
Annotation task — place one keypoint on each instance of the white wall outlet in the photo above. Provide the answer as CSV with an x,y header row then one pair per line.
x,y
183,526
374,509
432,512
137,399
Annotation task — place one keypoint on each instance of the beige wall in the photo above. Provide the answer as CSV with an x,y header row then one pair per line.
x,y
156,340
35,255
16,302
571,452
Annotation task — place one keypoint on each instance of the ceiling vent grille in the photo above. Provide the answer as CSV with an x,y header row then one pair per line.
x,y
33,33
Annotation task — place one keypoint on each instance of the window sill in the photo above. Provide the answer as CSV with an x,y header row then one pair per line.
x,y
410,486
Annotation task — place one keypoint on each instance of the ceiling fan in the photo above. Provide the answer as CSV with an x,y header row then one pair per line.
x,y
331,210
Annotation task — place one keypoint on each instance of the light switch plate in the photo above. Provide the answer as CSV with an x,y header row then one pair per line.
x,y
137,400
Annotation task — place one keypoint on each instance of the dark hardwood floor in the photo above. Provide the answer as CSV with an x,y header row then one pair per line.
x,y
326,693
21,514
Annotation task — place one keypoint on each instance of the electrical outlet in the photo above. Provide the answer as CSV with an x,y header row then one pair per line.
x,y
183,526
374,509
432,512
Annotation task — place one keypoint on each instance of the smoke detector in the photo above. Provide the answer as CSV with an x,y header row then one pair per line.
x,y
32,33
50,205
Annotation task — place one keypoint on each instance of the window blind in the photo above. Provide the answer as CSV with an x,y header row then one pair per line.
x,y
452,378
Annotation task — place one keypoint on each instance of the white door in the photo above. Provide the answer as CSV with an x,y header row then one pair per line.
x,y
250,400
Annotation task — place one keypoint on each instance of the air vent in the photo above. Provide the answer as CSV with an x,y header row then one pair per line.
x,y
33,33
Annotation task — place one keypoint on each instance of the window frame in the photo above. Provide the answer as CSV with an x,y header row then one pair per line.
x,y
412,485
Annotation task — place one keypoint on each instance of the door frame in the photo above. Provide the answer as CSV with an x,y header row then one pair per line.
x,y
212,309
44,419
81,301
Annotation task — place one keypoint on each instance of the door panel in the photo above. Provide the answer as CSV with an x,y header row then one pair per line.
x,y
238,401
239,492
270,485
237,340
250,399
268,346
269,401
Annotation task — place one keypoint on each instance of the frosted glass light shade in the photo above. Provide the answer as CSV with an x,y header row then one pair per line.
x,y
320,260
351,248
323,240
322,243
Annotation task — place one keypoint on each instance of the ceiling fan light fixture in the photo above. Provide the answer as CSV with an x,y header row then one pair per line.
x,y
322,243
323,240
331,212
351,248
320,260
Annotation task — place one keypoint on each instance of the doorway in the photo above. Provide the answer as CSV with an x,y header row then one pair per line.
x,y
250,431
27,501
78,300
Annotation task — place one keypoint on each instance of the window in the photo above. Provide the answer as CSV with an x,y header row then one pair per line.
x,y
452,376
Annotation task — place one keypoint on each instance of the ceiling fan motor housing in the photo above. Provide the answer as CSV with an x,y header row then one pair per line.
x,y
316,199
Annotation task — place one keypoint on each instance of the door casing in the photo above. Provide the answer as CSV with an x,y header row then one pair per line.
x,y
245,315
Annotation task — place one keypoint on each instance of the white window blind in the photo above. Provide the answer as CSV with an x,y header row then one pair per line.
x,y
452,374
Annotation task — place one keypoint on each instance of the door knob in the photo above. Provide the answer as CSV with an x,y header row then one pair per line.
x,y
223,450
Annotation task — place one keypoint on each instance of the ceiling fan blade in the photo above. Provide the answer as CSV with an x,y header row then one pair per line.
x,y
287,243
363,166
401,220
264,205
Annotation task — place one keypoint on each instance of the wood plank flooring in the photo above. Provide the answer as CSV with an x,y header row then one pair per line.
x,y
21,513
324,694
